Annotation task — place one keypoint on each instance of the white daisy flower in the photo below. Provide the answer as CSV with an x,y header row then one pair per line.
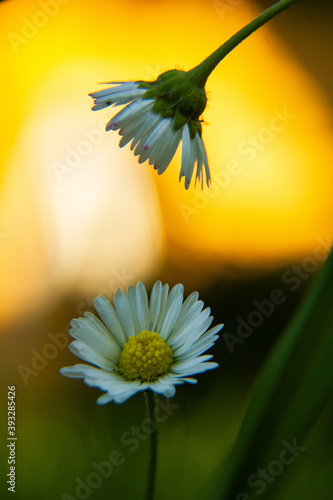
x,y
140,344
157,116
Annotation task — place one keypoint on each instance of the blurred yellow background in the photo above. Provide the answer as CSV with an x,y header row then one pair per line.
x,y
75,209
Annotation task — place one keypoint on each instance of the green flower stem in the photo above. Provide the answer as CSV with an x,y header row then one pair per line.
x,y
151,400
200,73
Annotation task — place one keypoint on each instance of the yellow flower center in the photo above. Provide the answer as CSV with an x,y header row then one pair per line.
x,y
145,357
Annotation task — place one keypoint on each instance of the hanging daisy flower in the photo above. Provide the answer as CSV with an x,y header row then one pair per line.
x,y
142,345
157,116
161,113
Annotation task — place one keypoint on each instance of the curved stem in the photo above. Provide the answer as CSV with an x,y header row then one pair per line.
x,y
200,73
150,398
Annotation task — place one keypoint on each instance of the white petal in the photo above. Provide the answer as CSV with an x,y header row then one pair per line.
x,y
101,104
199,368
87,354
190,380
188,314
124,87
90,372
190,166
204,158
139,140
163,387
125,313
193,329
186,151
190,311
121,393
154,305
116,100
128,133
173,307
118,398
110,319
163,302
184,364
129,113
202,344
162,164
117,394
93,333
199,175
138,300
155,136
193,365
118,388
162,144
76,371
126,97
121,94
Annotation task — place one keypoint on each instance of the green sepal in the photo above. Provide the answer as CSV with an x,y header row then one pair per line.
x,y
193,102
179,120
151,93
145,85
194,128
177,96
168,113
178,91
168,74
161,107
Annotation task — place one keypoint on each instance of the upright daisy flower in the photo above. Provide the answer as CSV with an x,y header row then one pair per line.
x,y
157,116
142,345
